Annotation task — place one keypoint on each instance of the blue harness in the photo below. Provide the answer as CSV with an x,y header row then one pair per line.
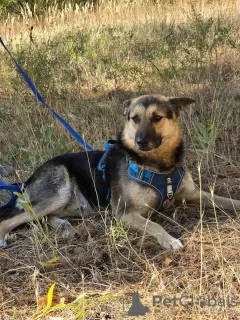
x,y
167,184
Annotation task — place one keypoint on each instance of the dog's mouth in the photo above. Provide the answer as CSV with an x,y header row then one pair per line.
x,y
146,147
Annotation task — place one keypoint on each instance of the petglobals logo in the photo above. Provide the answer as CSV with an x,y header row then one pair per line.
x,y
202,301
137,308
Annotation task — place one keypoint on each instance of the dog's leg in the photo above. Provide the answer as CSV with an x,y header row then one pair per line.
x,y
137,222
62,226
191,194
41,209
221,202
8,225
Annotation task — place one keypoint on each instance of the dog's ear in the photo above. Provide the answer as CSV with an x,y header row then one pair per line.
x,y
179,103
126,105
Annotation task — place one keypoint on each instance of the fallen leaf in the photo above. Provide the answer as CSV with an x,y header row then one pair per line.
x,y
42,301
50,263
4,254
167,261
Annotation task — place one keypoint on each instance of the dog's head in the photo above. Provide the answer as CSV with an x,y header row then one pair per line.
x,y
152,120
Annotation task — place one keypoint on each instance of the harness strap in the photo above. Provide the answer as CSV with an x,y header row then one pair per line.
x,y
102,167
167,184
102,163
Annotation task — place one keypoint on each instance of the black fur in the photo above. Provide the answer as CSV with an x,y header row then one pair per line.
x,y
147,101
169,113
9,212
179,153
82,167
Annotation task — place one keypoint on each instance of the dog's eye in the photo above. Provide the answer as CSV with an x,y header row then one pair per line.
x,y
135,119
156,118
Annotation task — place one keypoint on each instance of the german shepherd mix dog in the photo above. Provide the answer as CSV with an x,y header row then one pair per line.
x,y
142,170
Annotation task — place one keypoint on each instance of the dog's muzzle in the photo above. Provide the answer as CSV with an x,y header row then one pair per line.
x,y
144,144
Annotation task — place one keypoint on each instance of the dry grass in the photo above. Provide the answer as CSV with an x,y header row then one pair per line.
x,y
86,63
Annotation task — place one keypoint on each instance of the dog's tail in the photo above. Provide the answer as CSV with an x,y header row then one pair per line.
x,y
9,211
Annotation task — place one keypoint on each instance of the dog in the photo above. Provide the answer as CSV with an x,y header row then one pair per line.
x,y
142,171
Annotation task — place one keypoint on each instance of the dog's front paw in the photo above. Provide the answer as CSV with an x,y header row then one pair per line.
x,y
3,243
176,244
171,244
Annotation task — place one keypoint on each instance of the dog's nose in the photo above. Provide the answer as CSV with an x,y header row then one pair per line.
x,y
142,143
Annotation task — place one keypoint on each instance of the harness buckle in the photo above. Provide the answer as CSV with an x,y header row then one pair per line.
x,y
141,174
170,195
169,188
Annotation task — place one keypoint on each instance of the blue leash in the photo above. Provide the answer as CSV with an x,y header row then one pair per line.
x,y
39,97
14,188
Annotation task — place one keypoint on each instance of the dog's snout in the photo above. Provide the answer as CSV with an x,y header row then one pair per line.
x,y
142,142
